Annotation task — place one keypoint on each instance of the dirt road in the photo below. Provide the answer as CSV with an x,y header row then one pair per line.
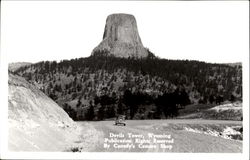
x,y
163,136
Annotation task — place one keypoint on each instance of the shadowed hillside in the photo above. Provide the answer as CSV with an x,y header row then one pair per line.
x,y
78,84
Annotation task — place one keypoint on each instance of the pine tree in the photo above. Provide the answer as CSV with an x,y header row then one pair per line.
x,y
90,114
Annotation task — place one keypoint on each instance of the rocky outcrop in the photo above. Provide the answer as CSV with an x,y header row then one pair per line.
x,y
121,38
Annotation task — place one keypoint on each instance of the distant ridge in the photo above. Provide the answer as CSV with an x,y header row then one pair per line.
x,y
15,66
234,64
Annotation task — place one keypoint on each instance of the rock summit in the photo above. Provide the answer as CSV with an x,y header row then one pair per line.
x,y
121,38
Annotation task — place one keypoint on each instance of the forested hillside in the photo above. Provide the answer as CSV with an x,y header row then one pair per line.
x,y
99,87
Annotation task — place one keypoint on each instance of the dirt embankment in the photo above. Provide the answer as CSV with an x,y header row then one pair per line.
x,y
37,123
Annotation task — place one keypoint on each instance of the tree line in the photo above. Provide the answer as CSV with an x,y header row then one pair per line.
x,y
133,105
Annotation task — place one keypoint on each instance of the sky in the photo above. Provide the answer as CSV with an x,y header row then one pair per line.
x,y
216,32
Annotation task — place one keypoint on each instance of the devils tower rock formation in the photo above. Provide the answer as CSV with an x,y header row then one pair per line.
x,y
121,38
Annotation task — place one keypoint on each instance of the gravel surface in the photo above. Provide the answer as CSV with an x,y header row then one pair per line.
x,y
183,140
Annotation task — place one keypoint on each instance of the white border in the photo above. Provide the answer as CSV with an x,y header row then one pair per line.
x,y
5,154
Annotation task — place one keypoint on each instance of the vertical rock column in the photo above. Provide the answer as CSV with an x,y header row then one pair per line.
x,y
121,38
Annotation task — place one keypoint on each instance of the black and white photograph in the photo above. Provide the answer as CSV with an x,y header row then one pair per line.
x,y
125,79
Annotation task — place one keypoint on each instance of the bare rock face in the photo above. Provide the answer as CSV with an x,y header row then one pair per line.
x,y
121,38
